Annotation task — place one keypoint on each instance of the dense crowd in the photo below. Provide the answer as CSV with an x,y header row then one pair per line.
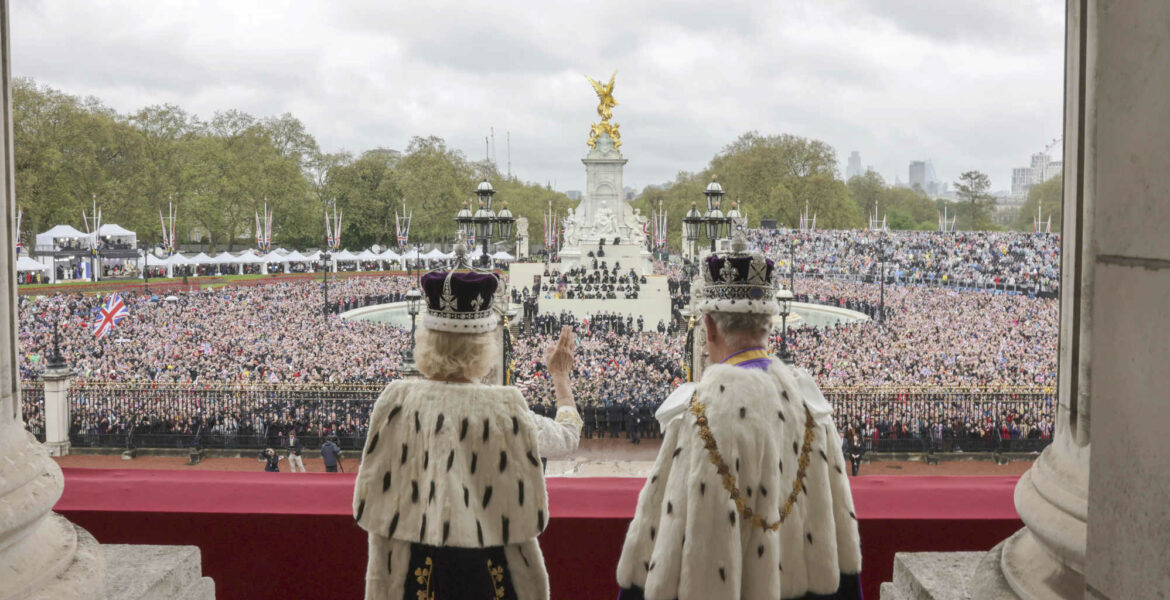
x,y
1010,260
276,333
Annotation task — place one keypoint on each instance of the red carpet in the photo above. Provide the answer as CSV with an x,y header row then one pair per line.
x,y
276,535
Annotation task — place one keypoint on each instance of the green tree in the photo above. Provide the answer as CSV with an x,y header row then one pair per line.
x,y
868,191
1049,197
974,199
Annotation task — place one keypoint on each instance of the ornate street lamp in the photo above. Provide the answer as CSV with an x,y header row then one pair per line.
x,y
691,222
784,298
325,262
716,223
484,217
464,221
413,306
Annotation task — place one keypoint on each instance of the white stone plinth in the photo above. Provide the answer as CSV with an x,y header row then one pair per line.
x,y
141,572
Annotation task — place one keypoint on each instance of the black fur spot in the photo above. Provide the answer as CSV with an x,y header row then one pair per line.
x,y
426,459
652,565
702,488
731,515
720,388
851,514
404,450
505,522
446,530
521,482
450,460
838,467
763,490
479,532
808,536
417,423
373,444
503,460
515,426
431,496
760,551
795,449
414,491
393,525
737,465
654,479
669,508
540,520
439,423
742,412
422,529
722,575
780,414
677,451
823,455
361,509
781,463
653,533
466,497
487,496
784,394
389,562
646,564
463,430
532,459
394,413
474,461
780,565
486,424
749,491
386,481
520,549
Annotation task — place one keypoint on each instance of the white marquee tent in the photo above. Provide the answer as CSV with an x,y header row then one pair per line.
x,y
27,264
118,234
48,241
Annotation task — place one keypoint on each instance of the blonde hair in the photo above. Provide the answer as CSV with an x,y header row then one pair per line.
x,y
446,355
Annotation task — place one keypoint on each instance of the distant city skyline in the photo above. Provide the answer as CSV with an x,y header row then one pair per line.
x,y
895,81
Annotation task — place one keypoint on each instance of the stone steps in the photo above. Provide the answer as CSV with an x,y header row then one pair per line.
x,y
931,576
142,572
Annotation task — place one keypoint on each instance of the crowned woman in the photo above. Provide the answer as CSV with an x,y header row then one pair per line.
x,y
451,488
748,498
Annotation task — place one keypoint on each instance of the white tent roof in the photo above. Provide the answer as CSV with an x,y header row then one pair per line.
x,y
412,255
179,260
202,259
273,257
367,255
45,240
434,253
154,261
27,264
344,256
502,255
389,255
248,258
115,230
314,257
295,256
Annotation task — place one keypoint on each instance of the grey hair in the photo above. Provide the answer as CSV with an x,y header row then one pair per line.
x,y
742,328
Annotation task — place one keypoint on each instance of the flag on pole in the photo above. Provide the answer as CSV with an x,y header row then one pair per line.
x,y
113,311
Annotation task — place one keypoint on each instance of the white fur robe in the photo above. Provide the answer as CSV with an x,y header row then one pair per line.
x,y
688,542
451,464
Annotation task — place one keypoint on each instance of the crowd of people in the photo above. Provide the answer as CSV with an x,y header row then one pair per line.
x,y
985,259
202,343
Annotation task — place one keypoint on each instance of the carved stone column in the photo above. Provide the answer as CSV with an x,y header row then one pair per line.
x,y
42,555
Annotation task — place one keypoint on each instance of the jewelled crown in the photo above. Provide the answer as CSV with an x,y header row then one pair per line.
x,y
460,300
740,281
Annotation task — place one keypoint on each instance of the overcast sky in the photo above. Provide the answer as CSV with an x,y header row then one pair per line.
x,y
965,84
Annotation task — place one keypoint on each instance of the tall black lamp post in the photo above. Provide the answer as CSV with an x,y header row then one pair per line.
x,y
792,263
784,298
691,222
413,306
325,262
716,224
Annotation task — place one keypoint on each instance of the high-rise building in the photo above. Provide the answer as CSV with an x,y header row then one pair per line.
x,y
918,174
854,167
1021,180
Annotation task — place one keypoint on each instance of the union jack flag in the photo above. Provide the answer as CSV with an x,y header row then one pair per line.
x,y
113,311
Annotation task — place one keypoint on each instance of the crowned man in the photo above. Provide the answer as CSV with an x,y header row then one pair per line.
x,y
451,489
748,498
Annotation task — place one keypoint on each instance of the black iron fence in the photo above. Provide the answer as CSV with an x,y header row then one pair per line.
x,y
184,415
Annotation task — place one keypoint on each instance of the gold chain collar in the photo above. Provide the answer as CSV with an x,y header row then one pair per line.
x,y
729,482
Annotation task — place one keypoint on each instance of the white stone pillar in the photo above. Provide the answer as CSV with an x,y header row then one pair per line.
x,y
42,555
1096,520
57,380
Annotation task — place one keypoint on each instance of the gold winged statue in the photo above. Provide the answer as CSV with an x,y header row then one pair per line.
x,y
605,110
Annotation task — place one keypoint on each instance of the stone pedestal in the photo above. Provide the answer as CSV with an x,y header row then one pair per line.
x,y
57,380
139,572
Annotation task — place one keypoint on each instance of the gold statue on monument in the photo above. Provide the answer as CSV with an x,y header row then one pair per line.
x,y
605,110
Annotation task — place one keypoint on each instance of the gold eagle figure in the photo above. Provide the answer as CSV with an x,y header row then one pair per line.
x,y
605,106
